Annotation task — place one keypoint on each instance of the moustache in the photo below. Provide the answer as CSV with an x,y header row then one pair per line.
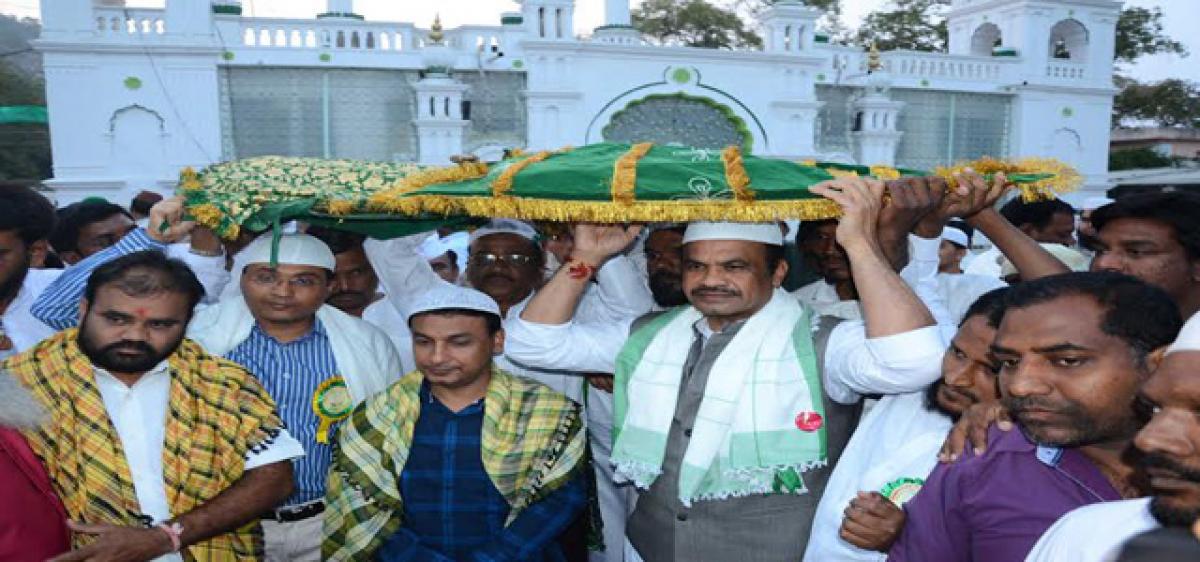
x,y
128,345
343,295
698,291
1155,460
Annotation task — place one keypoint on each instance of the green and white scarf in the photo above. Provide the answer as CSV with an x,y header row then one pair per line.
x,y
746,438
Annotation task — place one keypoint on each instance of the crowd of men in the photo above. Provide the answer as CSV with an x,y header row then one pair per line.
x,y
612,393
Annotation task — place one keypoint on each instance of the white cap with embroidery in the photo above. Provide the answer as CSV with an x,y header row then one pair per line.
x,y
446,297
294,249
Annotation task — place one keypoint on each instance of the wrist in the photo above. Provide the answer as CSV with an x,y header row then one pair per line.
x,y
580,268
172,535
982,219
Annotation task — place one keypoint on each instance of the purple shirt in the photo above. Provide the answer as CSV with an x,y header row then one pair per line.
x,y
995,507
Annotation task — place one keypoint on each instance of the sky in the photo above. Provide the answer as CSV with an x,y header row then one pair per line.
x,y
1180,20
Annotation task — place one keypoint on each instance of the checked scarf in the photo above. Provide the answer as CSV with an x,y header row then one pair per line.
x,y
532,443
217,413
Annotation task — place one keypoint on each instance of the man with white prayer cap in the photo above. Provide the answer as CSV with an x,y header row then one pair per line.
x,y
458,460
504,262
1170,445
314,360
688,460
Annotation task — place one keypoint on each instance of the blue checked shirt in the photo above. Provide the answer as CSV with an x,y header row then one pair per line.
x,y
291,373
452,511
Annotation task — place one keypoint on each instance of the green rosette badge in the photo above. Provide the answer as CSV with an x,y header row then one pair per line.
x,y
331,403
900,490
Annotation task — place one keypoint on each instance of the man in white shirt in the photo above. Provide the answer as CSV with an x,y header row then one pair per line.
x,y
26,219
1170,443
153,444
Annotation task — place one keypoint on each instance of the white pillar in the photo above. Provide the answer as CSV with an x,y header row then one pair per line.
x,y
616,12
339,6
439,122
877,137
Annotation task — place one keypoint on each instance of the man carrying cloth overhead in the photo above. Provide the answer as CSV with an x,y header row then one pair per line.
x,y
458,460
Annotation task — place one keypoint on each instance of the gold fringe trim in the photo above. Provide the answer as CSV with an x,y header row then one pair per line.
x,y
340,207
504,182
735,174
624,179
189,180
610,212
879,171
1063,179
417,180
842,173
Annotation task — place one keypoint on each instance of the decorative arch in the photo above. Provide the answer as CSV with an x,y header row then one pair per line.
x,y
985,38
685,84
678,118
1069,40
134,109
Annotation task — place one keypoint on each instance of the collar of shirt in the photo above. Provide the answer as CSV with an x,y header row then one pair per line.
x,y
317,331
705,332
428,399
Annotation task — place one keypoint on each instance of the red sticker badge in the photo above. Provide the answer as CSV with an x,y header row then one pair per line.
x,y
809,421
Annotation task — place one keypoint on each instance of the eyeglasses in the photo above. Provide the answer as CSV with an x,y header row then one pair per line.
x,y
488,259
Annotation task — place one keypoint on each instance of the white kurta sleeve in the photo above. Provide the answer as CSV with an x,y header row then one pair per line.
x,y
283,448
401,268
583,347
856,365
621,292
210,270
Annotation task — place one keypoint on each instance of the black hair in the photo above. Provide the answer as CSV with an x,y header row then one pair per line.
x,y
493,321
147,272
73,217
339,241
1178,209
27,212
142,203
990,305
453,257
1142,315
775,254
808,229
961,226
1037,214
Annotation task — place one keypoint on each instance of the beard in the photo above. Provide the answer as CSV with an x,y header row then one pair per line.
x,y
11,286
667,290
349,300
1167,512
1080,428
110,357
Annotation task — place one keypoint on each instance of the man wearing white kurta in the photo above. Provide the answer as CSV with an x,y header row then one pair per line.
x,y
595,346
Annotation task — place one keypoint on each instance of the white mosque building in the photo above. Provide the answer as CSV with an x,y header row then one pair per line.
x,y
136,94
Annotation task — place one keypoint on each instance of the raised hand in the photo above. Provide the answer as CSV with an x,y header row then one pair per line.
x,y
911,199
861,200
166,222
595,243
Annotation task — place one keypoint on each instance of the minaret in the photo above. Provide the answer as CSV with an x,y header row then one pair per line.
x,y
876,115
439,118
339,9
618,27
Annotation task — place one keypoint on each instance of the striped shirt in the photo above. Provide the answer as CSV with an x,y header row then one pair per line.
x,y
291,372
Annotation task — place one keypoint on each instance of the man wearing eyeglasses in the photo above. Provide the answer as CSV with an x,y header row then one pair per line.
x,y
315,361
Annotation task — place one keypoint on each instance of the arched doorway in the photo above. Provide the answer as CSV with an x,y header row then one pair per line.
x,y
986,38
1069,41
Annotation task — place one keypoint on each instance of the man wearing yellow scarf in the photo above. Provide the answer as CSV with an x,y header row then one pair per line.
x,y
158,450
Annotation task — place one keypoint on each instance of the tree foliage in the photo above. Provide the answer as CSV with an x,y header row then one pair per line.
x,y
1140,32
693,23
1138,158
1169,103
24,148
916,25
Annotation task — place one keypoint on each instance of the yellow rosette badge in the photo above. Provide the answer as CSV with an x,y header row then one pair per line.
x,y
332,403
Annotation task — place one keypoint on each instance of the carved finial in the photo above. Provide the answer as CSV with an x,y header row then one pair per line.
x,y
435,31
874,62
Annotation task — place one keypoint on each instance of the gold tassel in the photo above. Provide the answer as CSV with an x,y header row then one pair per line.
x,y
206,214
735,174
417,180
624,180
610,212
